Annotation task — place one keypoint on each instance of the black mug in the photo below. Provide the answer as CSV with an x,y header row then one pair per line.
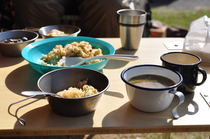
x,y
186,64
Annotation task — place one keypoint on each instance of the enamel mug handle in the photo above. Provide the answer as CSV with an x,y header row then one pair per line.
x,y
181,100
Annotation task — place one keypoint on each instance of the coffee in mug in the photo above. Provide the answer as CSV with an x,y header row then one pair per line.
x,y
186,64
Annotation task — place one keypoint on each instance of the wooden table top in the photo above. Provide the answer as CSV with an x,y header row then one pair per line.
x,y
113,115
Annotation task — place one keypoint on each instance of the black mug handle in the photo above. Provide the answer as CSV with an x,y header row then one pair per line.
x,y
203,72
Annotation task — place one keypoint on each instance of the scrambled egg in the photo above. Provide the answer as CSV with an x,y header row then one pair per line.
x,y
82,90
82,49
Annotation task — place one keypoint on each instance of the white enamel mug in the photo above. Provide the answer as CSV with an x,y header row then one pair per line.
x,y
152,99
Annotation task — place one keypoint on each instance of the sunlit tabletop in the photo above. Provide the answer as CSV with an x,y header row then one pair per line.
x,y
114,114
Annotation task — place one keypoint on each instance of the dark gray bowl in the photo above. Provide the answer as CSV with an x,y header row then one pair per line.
x,y
14,49
61,79
67,29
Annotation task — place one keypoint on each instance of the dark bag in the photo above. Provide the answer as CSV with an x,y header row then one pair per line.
x,y
6,16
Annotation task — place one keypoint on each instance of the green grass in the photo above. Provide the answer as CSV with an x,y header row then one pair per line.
x,y
186,135
178,18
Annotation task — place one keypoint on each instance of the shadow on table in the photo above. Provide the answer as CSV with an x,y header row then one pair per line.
x,y
128,116
22,79
115,64
9,61
183,108
123,51
114,94
43,116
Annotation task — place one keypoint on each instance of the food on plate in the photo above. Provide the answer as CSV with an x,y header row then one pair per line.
x,y
151,81
56,32
82,90
75,49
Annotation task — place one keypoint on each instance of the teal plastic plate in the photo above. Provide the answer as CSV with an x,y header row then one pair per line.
x,y
33,52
